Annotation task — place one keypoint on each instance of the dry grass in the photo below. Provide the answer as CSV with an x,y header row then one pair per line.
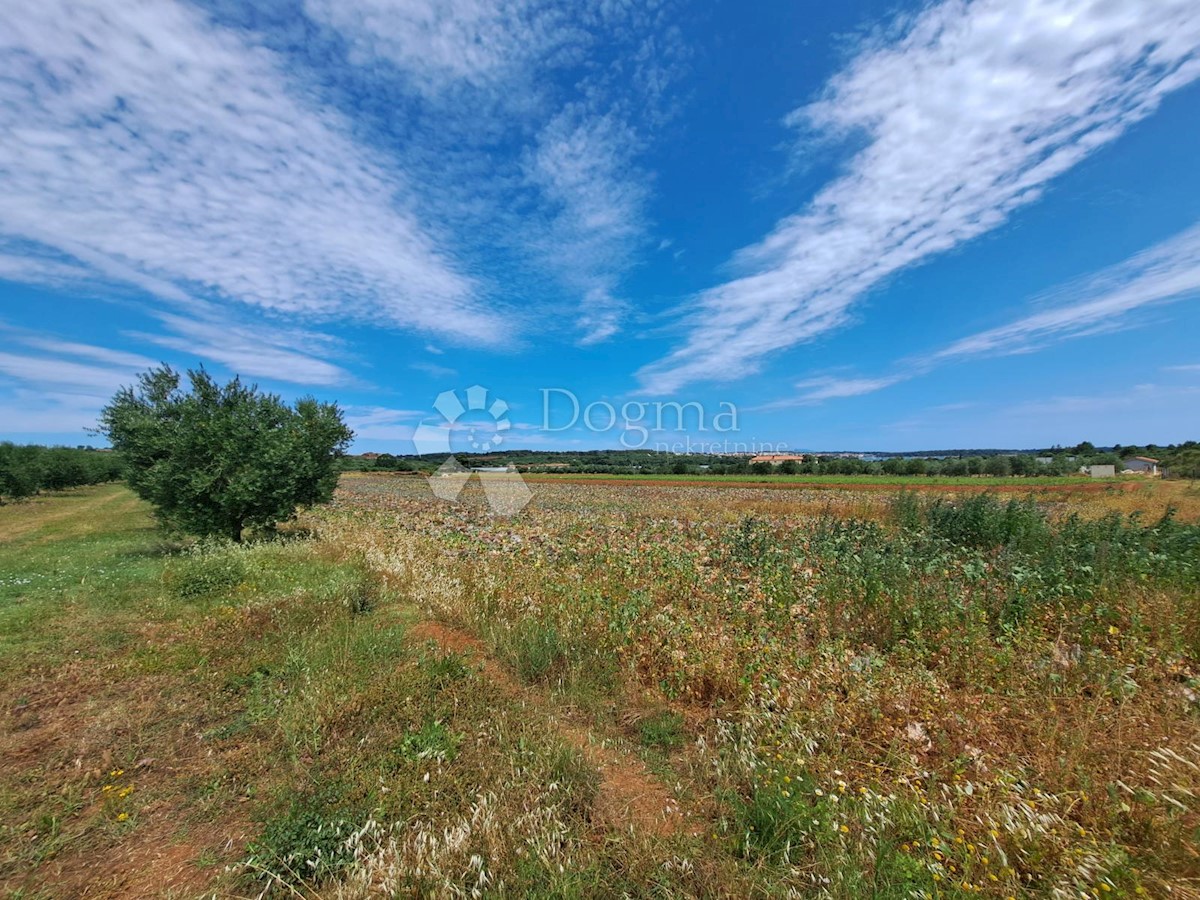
x,y
631,689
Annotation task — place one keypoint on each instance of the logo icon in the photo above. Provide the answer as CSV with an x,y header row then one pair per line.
x,y
506,491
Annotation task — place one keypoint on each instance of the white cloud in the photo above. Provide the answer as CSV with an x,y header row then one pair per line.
x,y
433,369
443,44
379,423
1188,368
58,373
161,149
1098,303
830,387
968,114
1167,272
583,165
568,205
51,413
87,351
1137,413
57,393
262,351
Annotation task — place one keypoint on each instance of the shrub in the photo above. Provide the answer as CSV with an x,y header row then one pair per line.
x,y
215,459
308,843
205,570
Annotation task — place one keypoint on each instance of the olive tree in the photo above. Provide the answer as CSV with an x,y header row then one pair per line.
x,y
214,459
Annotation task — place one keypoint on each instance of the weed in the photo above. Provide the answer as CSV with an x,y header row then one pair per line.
x,y
308,843
662,730
533,648
208,569
432,741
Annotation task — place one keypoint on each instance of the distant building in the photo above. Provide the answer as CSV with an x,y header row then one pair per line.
x,y
774,458
1100,471
1142,465
1043,460
493,468
368,456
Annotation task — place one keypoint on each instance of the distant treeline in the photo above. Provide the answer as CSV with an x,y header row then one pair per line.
x,y
26,470
1183,459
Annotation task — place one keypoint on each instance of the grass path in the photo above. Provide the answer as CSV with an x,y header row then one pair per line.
x,y
629,796
165,711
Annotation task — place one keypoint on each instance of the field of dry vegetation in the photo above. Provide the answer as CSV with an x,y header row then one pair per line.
x,y
627,690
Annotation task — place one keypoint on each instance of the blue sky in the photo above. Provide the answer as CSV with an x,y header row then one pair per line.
x,y
864,225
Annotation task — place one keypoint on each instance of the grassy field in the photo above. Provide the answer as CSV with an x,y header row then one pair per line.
x,y
981,482
631,689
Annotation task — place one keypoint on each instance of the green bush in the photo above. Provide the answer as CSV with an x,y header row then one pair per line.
x,y
307,844
205,570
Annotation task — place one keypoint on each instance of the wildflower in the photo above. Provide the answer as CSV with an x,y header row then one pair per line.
x,y
121,817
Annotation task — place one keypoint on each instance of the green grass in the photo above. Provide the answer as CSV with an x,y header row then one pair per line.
x,y
975,692
262,708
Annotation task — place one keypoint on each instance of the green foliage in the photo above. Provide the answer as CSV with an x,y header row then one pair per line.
x,y
433,741
26,470
443,669
1185,464
205,570
983,521
308,843
534,648
215,459
663,730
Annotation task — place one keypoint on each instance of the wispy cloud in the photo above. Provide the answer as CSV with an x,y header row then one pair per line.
x,y
1132,413
148,143
58,374
61,388
380,423
127,361
1098,303
812,391
443,45
263,350
1168,272
542,110
583,166
433,369
968,112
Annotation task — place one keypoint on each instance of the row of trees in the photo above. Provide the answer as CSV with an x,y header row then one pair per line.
x,y
652,463
26,470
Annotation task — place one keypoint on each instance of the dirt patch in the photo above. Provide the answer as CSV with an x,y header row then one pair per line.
x,y
629,795
71,734
153,862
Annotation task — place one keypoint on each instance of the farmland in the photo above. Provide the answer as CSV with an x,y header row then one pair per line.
x,y
697,688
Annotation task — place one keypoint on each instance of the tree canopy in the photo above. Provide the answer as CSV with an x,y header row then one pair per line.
x,y
215,459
